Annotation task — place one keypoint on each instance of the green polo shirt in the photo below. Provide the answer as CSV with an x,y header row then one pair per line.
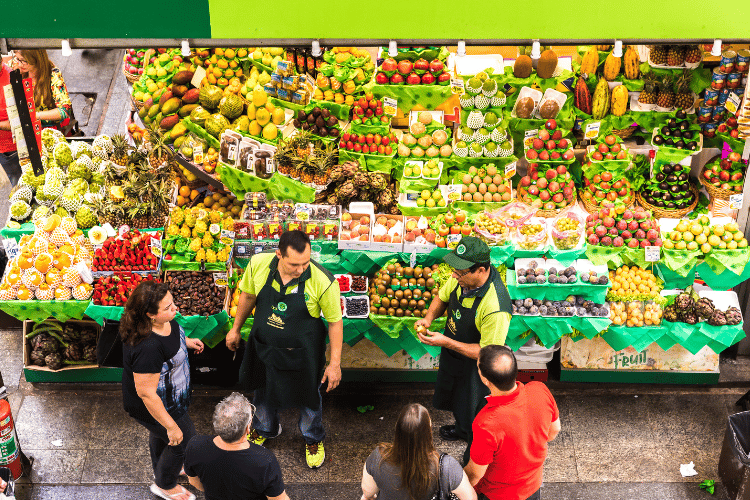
x,y
322,292
492,322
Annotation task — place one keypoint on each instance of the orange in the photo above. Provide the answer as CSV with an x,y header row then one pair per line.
x,y
181,200
13,278
25,260
184,191
24,293
62,260
43,262
194,194
52,222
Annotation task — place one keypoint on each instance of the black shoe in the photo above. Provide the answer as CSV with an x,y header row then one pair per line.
x,y
448,433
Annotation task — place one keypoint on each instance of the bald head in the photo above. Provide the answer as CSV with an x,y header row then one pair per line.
x,y
497,364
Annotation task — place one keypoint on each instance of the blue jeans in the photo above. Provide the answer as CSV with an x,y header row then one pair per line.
x,y
12,167
266,419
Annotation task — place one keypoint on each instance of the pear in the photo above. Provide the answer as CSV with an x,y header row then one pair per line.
x,y
257,55
267,59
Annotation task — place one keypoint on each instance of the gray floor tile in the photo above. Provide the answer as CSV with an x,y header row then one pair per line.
x,y
49,416
112,427
294,468
560,465
345,461
56,466
117,466
620,461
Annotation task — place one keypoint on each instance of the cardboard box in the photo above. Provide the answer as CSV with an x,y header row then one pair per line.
x,y
358,211
387,227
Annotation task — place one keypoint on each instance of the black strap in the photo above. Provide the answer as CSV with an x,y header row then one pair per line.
x,y
109,346
439,478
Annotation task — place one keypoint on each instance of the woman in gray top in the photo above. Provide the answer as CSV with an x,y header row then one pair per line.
x,y
407,469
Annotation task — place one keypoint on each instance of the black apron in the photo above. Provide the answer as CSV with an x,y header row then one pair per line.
x,y
286,349
458,387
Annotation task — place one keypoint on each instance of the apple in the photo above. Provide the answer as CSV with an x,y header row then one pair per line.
x,y
421,66
405,67
550,145
544,156
633,243
531,154
436,66
444,78
603,148
554,155
616,148
428,79
557,135
543,135
562,143
568,155
537,143
413,79
610,139
734,156
551,124
397,79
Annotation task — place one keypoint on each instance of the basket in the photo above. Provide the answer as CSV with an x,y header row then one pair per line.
x,y
128,76
674,214
593,208
713,191
197,183
136,103
624,133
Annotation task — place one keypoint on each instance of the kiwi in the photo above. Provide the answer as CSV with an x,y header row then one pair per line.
x,y
408,271
381,290
417,272
430,283
382,311
391,311
408,294
522,67
399,294
404,283
390,293
547,64
399,312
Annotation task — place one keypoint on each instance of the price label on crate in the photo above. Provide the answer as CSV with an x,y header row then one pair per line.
x,y
452,240
653,253
220,279
733,103
198,154
510,170
156,246
390,105
12,249
453,193
198,76
457,86
226,237
735,201
592,130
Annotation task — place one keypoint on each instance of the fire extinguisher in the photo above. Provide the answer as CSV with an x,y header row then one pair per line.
x,y
10,454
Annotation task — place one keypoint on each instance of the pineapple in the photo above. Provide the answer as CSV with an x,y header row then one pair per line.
x,y
659,55
650,89
139,214
676,55
120,150
684,98
692,54
160,153
665,97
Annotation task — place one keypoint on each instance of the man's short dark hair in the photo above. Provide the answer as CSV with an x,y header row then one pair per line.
x,y
296,239
485,265
497,363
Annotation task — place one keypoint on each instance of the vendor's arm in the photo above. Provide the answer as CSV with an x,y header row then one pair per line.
x,y
245,306
330,306
145,387
195,482
438,305
494,328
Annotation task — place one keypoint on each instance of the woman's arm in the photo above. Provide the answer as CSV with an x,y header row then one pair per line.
x,y
369,488
63,106
465,491
145,386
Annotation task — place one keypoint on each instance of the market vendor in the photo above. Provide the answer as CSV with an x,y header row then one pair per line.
x,y
285,357
479,309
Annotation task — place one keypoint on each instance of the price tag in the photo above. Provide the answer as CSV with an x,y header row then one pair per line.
x,y
220,279
653,253
452,240
510,170
390,105
227,237
592,130
735,201
232,155
457,87
733,103
12,249
413,259
746,150
529,138
198,76
453,193
156,247
198,154
270,166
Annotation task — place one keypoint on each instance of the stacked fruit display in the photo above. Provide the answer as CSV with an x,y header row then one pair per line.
x,y
491,229
131,251
221,65
605,187
633,283
351,182
669,187
727,173
418,143
399,290
482,134
621,227
54,345
485,184
457,223
318,121
567,230
547,187
678,133
689,308
115,289
699,233
268,57
166,108
609,147
158,74
413,71
369,111
369,143
134,61
341,77
47,266
550,146
195,235
196,293
431,199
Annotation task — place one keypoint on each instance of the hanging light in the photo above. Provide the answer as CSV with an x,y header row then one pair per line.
x,y
185,48
618,49
716,49
392,48
535,50
316,52
66,51
461,49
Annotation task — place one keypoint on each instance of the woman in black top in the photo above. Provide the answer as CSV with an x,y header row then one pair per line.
x,y
156,381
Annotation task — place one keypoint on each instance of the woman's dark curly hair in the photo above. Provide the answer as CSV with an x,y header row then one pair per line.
x,y
135,325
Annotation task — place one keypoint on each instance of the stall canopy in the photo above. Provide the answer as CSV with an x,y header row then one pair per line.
x,y
415,20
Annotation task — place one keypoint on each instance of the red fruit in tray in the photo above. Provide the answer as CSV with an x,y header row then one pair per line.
x,y
397,79
621,155
633,243
443,78
652,235
381,79
562,169
551,173
616,148
551,124
389,65
554,155
562,143
596,155
618,241
405,67
531,154
608,221
603,148
640,234
436,66
609,156
550,145
593,239
606,241
421,65
600,231
610,139
568,155
558,198
626,235
525,181
428,79
633,225
537,143
613,231
542,183
543,135
413,79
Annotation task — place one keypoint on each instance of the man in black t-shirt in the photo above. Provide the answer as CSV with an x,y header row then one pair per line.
x,y
228,466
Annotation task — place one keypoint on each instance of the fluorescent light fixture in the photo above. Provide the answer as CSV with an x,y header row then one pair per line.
x,y
316,52
66,51
535,50
716,49
618,49
185,48
461,49
392,48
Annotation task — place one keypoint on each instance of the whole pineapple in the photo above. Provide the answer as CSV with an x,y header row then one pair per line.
x,y
676,55
684,98
692,54
120,150
659,55
665,98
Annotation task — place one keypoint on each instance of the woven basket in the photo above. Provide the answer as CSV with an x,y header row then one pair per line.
x,y
128,76
197,183
674,214
594,208
136,103
716,193
624,133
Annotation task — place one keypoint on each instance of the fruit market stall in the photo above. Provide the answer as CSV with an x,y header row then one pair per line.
x,y
609,202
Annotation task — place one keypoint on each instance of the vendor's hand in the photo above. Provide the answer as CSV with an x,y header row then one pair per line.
x,y
233,339
432,338
333,376
175,435
195,344
3,485
421,323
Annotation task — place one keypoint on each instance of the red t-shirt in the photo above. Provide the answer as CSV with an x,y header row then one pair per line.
x,y
6,136
510,436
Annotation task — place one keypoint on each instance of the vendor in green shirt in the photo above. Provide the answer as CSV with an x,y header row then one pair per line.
x,y
478,307
285,357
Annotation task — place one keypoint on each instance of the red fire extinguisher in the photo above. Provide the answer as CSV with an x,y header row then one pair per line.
x,y
10,455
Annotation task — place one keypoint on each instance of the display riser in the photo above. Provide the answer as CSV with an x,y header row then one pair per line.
x,y
640,377
98,374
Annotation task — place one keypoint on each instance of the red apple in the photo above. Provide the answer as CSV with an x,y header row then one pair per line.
x,y
413,79
428,79
551,124
405,67
397,79
421,66
436,66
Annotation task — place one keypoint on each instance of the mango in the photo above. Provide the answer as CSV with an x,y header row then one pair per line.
x,y
165,97
168,122
178,142
186,109
182,77
171,106
153,110
178,131
191,96
179,90
270,132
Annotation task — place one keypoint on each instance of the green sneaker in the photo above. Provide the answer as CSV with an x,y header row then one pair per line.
x,y
315,454
256,438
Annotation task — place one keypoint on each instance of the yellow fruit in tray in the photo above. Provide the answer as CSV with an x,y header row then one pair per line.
x,y
278,117
259,98
254,128
251,111
270,132
338,98
263,116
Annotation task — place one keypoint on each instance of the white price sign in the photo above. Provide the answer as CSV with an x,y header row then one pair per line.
x,y
390,106
457,86
12,249
733,103
529,138
510,170
220,279
227,237
453,193
746,150
735,201
592,130
653,254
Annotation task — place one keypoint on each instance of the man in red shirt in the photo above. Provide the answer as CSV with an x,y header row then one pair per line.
x,y
511,432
